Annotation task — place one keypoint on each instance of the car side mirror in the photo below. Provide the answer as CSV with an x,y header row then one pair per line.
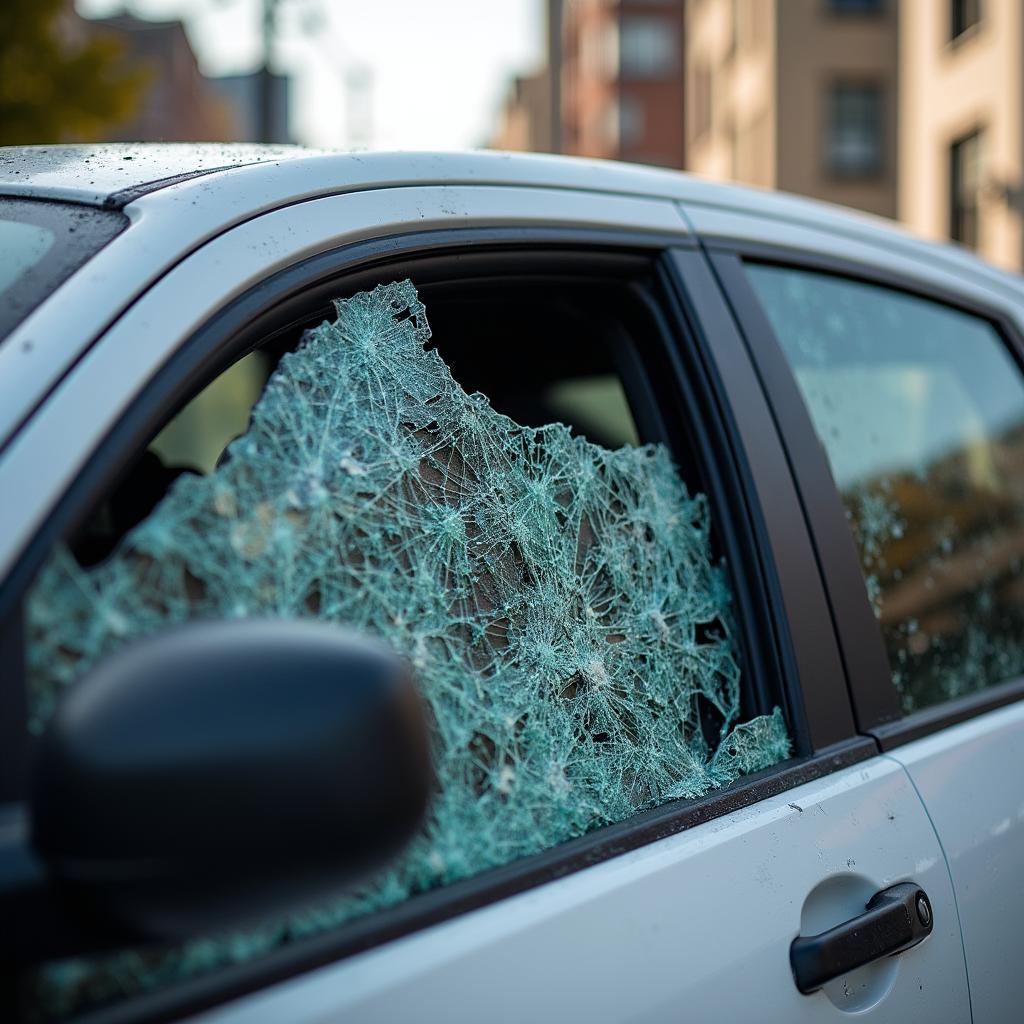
x,y
227,771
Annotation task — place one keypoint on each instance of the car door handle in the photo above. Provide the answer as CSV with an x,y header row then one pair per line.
x,y
893,920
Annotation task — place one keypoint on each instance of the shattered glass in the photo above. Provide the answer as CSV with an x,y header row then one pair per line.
x,y
569,629
920,409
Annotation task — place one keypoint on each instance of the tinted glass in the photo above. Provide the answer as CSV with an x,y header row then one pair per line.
x,y
920,409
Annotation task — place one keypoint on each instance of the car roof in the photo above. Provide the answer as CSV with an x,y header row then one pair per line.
x,y
113,174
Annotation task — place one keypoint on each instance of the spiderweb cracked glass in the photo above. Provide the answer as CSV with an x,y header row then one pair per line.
x,y
557,600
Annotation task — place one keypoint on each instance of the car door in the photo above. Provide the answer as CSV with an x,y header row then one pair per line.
x,y
912,382
688,907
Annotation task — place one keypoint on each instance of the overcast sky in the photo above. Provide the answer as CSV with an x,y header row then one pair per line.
x,y
438,68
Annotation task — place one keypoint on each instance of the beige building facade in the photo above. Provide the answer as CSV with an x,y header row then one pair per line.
x,y
798,95
962,123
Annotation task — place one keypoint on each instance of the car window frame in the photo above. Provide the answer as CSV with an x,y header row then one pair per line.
x,y
798,600
860,637
235,330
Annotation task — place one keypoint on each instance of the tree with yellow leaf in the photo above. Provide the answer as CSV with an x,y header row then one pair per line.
x,y
56,84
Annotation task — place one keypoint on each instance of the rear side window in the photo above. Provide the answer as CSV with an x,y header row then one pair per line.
x,y
920,408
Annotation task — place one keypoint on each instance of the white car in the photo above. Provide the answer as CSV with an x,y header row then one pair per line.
x,y
712,693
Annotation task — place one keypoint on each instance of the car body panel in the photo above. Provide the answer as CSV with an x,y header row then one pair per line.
x,y
969,778
693,927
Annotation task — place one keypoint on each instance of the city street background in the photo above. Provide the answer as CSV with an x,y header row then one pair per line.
x,y
909,109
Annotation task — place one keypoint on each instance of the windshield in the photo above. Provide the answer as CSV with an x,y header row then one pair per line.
x,y
41,244
22,246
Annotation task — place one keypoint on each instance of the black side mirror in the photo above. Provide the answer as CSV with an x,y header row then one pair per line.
x,y
227,771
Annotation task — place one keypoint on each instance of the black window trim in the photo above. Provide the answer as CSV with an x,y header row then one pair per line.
x,y
796,596
821,749
860,638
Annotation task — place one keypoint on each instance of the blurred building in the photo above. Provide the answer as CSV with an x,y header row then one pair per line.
x,y
178,103
962,123
799,95
241,98
622,77
525,121
612,85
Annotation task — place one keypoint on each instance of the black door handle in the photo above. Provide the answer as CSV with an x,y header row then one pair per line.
x,y
894,920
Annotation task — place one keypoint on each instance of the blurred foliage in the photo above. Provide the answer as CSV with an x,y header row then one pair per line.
x,y
59,80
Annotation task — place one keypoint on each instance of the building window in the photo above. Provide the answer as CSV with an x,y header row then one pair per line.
x,y
648,47
964,15
854,143
855,6
621,123
632,122
964,185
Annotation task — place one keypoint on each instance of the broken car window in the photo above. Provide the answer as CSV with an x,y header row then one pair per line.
x,y
559,603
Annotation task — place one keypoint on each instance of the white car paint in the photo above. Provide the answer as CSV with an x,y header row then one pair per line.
x,y
695,927
969,776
